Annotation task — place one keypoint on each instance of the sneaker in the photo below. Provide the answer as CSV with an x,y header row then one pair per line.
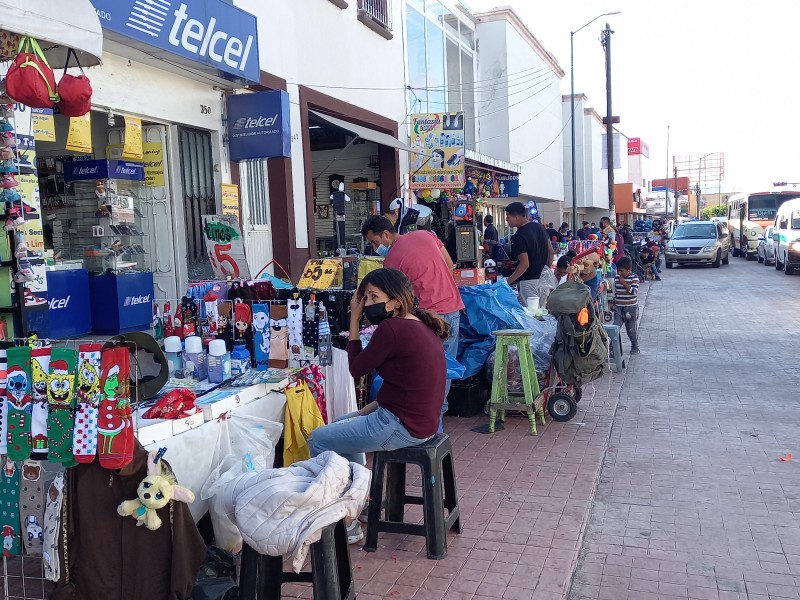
x,y
634,351
25,273
32,299
5,126
10,195
354,533
6,154
8,181
658,278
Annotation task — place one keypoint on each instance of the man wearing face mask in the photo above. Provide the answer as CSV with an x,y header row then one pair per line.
x,y
425,261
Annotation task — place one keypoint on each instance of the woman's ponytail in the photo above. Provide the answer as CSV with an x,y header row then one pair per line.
x,y
434,321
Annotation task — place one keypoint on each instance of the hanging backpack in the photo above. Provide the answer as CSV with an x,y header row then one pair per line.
x,y
30,79
75,92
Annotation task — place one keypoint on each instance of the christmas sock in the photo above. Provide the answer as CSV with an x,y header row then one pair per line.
x,y
261,336
325,350
278,342
18,388
52,521
84,438
114,425
311,328
61,404
40,366
294,323
3,402
9,509
31,506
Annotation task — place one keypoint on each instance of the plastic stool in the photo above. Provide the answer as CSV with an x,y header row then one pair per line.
x,y
331,573
435,459
530,382
615,347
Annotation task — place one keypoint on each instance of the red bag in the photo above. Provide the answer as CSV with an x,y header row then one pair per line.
x,y
30,79
75,92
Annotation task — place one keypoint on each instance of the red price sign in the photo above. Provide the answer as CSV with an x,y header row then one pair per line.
x,y
225,247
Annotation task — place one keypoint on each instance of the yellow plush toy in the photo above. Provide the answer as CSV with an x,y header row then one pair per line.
x,y
155,491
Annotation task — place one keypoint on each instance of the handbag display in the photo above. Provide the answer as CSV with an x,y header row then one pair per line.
x,y
30,79
75,92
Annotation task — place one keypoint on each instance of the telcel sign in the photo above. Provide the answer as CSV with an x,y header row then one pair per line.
x,y
258,125
211,32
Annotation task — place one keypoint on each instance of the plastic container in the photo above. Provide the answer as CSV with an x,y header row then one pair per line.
x,y
173,349
219,362
195,358
240,359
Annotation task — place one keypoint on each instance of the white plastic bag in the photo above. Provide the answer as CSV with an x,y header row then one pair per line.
x,y
246,444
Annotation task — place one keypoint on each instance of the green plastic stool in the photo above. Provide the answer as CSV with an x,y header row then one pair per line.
x,y
530,382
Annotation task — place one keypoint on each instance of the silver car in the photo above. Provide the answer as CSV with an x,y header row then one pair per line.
x,y
698,243
766,247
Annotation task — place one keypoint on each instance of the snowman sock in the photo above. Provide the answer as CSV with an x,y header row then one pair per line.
x,y
261,336
19,399
3,401
9,508
294,322
61,404
40,366
52,520
84,438
114,426
31,506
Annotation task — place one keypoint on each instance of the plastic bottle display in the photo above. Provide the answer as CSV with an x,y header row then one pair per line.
x,y
219,362
240,359
195,358
173,349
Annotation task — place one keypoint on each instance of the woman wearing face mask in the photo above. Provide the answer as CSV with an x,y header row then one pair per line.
x,y
407,352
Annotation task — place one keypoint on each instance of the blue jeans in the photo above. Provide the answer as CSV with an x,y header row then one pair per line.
x,y
451,347
351,436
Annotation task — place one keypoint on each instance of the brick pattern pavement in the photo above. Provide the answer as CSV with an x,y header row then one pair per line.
x,y
693,502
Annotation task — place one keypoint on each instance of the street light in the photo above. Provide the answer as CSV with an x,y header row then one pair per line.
x,y
572,113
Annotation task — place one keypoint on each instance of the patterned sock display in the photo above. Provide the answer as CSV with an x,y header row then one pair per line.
x,y
261,336
279,337
294,323
18,386
40,366
31,506
52,520
61,404
84,438
3,401
114,424
9,509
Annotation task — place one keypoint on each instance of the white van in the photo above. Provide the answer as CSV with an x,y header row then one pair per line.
x,y
786,236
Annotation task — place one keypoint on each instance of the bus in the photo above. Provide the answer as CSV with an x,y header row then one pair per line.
x,y
749,215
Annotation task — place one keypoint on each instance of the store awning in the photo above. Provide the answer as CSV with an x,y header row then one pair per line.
x,y
58,25
364,133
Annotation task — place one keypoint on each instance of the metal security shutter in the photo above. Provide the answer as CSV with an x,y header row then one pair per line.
x,y
197,174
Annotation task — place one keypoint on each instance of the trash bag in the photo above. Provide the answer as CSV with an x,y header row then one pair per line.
x,y
216,579
494,306
247,445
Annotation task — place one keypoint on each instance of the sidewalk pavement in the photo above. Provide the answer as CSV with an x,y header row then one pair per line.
x,y
524,504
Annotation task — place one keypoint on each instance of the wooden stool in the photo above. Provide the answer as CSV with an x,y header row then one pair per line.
x,y
530,383
331,574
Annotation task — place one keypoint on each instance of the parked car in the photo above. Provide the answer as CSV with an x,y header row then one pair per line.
x,y
698,243
786,236
766,247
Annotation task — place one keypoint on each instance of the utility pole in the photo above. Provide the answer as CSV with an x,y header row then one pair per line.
x,y
675,174
666,183
605,38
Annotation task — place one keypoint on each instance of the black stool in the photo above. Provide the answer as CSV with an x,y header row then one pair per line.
x,y
435,458
331,574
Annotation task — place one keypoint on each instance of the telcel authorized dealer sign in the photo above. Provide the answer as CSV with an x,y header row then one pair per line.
x,y
258,125
211,32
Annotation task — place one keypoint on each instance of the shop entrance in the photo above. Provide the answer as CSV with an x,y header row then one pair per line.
x,y
197,175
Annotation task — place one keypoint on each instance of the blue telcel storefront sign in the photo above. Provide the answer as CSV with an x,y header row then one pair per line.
x,y
212,33
259,125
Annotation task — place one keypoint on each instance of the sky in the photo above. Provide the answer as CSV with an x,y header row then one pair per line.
x,y
721,75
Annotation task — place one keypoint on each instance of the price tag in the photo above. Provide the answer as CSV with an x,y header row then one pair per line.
x,y
319,274
225,247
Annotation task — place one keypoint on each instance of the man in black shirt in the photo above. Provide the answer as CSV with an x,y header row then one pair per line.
x,y
490,236
552,233
533,253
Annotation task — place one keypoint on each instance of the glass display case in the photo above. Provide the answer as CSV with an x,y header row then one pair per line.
x,y
103,225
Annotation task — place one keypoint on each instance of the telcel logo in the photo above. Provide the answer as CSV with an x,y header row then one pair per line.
x,y
136,300
201,39
56,303
255,122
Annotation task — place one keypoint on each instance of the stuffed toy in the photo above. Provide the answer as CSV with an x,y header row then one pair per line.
x,y
155,492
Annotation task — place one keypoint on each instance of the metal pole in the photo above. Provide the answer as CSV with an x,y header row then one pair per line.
x,y
666,183
572,121
606,37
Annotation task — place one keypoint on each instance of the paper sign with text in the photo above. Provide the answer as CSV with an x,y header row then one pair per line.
x,y
79,138
230,200
133,139
43,124
154,164
225,247
319,274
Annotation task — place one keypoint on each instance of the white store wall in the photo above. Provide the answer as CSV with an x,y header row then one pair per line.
x,y
317,44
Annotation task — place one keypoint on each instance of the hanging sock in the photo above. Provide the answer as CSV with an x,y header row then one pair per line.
x,y
294,322
52,519
61,404
261,336
84,437
278,343
18,385
3,401
9,509
114,425
31,506
325,350
40,366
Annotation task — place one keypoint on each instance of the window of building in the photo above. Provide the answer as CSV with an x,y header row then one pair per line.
x,y
434,45
417,76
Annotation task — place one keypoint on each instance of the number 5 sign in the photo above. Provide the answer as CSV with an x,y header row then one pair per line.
x,y
225,247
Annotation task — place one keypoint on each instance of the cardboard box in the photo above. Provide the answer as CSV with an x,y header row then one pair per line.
x,y
187,423
218,403
467,277
150,431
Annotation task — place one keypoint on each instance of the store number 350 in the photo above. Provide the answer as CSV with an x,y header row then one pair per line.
x,y
205,109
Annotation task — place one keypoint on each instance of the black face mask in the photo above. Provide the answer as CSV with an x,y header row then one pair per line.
x,y
377,313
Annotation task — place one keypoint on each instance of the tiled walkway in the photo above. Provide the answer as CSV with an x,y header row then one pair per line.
x,y
693,501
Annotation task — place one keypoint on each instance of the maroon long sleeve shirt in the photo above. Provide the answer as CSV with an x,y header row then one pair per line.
x,y
410,359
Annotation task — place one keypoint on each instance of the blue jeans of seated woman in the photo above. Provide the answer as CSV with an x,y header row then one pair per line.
x,y
351,436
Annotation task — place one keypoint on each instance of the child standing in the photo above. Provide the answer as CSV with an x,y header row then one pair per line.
x,y
626,300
